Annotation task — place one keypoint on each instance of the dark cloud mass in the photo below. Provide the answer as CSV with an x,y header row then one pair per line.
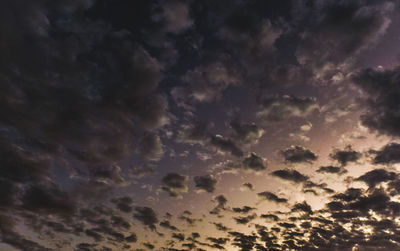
x,y
345,156
206,183
298,154
199,125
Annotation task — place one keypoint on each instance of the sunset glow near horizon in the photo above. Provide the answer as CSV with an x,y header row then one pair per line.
x,y
199,125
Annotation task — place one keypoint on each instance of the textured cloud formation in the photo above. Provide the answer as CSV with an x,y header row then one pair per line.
x,y
298,154
152,125
382,93
206,183
280,108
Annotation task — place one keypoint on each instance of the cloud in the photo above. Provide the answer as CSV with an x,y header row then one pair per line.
x,y
226,145
271,197
244,209
290,175
389,154
246,187
193,133
254,162
206,83
331,31
151,147
331,169
206,183
381,95
279,108
374,177
176,14
124,204
174,184
303,207
298,154
48,200
345,156
147,216
248,133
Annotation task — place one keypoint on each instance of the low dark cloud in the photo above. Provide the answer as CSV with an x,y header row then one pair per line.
x,y
298,154
374,177
282,107
174,184
244,209
226,145
147,216
389,154
254,162
382,95
345,156
290,175
271,197
330,169
206,183
247,133
302,207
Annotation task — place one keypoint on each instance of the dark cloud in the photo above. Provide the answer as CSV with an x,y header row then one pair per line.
x,y
290,175
389,154
123,203
48,200
282,107
382,95
166,224
334,29
298,154
248,133
221,203
247,186
330,169
174,180
226,145
206,183
174,183
271,197
147,216
303,207
177,17
374,177
245,219
244,209
345,156
151,147
193,133
254,162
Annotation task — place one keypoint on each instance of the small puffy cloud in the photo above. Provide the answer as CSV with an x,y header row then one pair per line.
x,y
290,175
382,93
147,216
345,156
374,177
177,16
389,154
298,154
248,133
271,197
279,108
226,145
246,187
206,183
174,184
331,169
254,162
151,147
302,207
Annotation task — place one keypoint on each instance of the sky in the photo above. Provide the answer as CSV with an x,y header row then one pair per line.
x,y
199,125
